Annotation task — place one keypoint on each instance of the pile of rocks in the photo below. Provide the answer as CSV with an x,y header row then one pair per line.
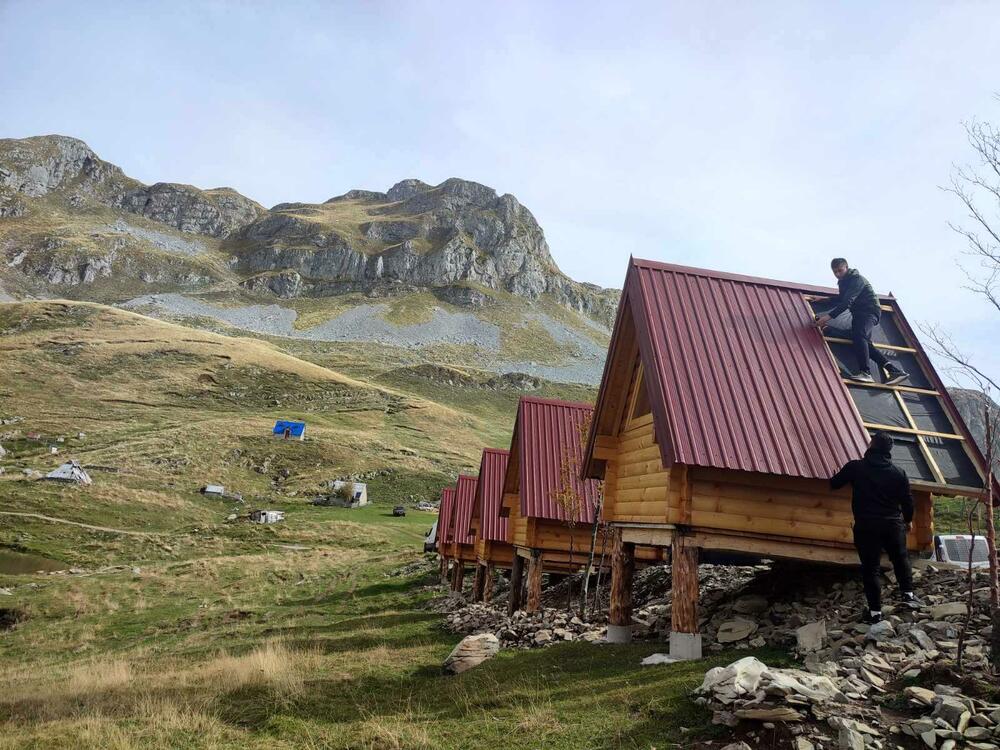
x,y
953,720
523,630
819,713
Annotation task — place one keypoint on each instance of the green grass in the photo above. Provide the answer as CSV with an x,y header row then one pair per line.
x,y
193,632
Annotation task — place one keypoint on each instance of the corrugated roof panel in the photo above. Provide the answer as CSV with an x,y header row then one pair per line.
x,y
550,437
465,498
489,495
444,515
739,376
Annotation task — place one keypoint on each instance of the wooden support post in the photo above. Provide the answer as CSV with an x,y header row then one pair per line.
x,y
458,582
478,582
516,582
622,575
534,582
685,640
488,581
443,572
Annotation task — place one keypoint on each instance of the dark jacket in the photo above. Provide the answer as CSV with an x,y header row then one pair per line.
x,y
880,489
856,295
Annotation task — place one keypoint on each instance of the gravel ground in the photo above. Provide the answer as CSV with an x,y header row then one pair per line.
x,y
160,239
364,323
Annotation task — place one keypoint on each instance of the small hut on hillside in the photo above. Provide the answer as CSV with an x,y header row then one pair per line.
x,y
345,494
289,430
722,413
463,551
492,536
550,509
70,472
444,528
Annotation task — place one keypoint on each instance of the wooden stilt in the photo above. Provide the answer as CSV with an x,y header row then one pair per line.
x,y
459,580
622,575
685,640
478,582
488,580
516,582
534,582
443,570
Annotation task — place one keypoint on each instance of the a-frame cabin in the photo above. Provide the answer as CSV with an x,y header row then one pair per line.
x,y
492,535
463,552
550,509
444,530
722,413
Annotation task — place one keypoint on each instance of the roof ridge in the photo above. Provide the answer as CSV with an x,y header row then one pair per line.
x,y
737,277
555,402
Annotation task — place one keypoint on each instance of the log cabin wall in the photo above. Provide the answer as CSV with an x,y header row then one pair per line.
x,y
640,490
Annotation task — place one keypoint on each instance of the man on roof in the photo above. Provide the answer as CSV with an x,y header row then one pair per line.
x,y
857,295
883,509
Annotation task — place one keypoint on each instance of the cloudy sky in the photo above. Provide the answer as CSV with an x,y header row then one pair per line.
x,y
758,138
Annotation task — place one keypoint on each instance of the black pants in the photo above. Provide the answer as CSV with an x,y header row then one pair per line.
x,y
861,334
871,536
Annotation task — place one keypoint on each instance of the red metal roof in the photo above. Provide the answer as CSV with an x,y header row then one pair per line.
x,y
489,495
465,498
548,442
738,375
444,516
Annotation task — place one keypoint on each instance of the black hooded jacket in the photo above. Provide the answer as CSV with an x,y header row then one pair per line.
x,y
856,295
880,489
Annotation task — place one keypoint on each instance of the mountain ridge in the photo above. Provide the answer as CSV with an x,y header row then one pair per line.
x,y
414,235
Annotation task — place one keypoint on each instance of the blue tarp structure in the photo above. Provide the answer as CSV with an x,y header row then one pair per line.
x,y
284,428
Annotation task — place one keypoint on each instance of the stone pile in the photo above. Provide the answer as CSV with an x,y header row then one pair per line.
x,y
819,713
952,720
523,630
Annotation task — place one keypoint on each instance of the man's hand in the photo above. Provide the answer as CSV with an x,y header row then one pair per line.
x,y
823,320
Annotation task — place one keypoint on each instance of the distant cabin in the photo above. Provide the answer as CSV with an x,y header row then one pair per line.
x,y
70,471
346,494
289,430
267,516
213,489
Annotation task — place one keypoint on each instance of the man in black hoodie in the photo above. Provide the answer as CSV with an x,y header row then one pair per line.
x,y
857,295
883,509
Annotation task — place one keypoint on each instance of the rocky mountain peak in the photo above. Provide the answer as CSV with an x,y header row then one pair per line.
x,y
418,235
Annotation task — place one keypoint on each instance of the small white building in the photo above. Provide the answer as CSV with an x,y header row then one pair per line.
x,y
347,494
70,471
216,490
267,516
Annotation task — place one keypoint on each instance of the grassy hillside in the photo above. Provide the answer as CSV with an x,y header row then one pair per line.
x,y
176,628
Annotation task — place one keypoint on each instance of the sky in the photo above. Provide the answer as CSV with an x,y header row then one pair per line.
x,y
758,138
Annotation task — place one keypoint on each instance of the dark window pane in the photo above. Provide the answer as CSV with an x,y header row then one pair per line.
x,y
909,363
928,412
844,355
886,332
878,406
954,462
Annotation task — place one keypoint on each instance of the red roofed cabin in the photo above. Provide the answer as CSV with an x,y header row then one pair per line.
x,y
550,510
463,551
492,537
722,413
444,529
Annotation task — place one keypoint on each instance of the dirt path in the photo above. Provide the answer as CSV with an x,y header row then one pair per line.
x,y
77,523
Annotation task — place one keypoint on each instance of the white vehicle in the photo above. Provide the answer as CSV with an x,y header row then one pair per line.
x,y
430,541
956,549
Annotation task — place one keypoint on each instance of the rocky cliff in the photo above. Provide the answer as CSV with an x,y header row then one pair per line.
x,y
69,218
971,405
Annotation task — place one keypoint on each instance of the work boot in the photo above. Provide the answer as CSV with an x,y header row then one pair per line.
x,y
910,600
871,616
862,377
895,374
